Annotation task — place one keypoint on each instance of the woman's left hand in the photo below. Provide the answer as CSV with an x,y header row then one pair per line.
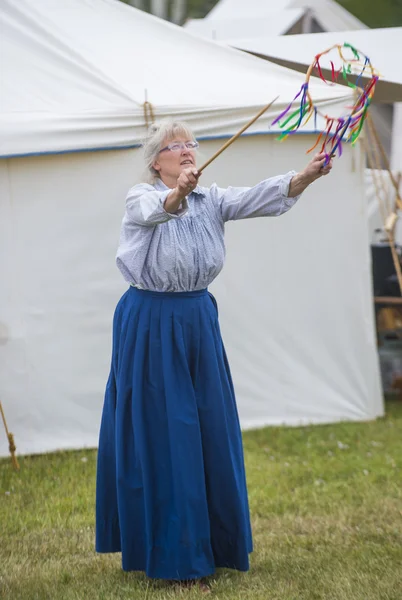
x,y
316,169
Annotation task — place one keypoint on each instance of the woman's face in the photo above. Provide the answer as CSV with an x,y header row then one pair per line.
x,y
174,157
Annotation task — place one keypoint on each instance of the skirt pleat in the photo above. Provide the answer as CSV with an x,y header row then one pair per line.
x,y
171,487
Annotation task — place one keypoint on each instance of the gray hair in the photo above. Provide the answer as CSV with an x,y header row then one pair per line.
x,y
167,129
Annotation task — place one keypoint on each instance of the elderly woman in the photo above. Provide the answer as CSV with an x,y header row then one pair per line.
x,y
171,485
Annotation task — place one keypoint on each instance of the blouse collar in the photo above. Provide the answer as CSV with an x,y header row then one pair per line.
x,y
159,185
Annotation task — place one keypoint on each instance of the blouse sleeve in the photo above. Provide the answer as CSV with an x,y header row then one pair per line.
x,y
266,199
145,206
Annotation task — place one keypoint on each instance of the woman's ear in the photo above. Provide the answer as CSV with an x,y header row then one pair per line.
x,y
156,166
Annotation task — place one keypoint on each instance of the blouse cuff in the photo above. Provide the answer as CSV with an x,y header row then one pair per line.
x,y
180,212
284,189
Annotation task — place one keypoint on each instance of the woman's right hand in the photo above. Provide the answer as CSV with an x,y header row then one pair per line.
x,y
187,181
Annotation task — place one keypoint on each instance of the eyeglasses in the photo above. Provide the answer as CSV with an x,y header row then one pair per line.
x,y
179,146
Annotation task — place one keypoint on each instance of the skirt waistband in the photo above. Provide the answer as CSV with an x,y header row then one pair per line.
x,y
171,295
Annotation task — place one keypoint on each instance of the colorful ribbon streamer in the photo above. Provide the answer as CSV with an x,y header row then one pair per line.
x,y
337,130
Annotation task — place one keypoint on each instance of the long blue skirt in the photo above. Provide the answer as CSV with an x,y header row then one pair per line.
x,y
171,488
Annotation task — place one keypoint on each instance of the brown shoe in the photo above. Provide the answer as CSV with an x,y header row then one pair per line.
x,y
204,587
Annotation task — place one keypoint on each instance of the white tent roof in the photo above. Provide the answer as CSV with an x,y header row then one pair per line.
x,y
329,14
383,46
77,74
221,29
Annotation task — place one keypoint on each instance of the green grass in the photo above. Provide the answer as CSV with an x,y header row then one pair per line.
x,y
326,506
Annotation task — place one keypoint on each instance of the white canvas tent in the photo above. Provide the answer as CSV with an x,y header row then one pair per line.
x,y
79,92
294,296
228,17
278,23
329,14
383,46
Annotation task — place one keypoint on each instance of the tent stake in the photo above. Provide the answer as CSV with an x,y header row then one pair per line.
x,y
11,444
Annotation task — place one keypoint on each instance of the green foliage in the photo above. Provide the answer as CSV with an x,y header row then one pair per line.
x,y
326,514
387,13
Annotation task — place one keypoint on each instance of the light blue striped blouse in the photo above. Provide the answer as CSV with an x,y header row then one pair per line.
x,y
185,251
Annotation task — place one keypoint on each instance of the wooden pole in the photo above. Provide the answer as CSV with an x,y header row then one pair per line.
x,y
238,134
11,444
